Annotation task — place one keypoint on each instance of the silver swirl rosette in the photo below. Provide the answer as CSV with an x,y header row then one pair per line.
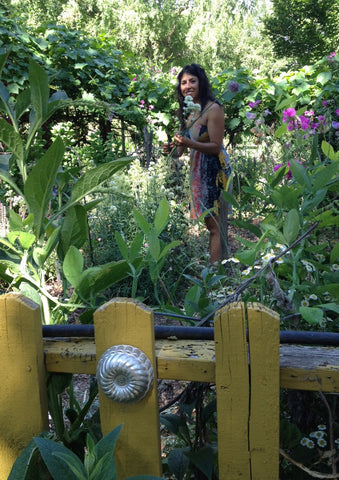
x,y
124,374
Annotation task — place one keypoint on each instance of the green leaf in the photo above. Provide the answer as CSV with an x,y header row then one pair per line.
x,y
58,468
39,90
280,131
312,315
247,257
121,245
229,198
141,222
324,77
328,151
22,103
93,178
323,175
203,459
41,254
74,230
291,226
96,279
106,446
312,202
334,255
168,247
154,245
136,245
333,307
26,239
73,266
39,184
11,139
300,174
161,216
22,463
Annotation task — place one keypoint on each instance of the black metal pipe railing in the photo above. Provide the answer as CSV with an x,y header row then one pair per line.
x,y
196,333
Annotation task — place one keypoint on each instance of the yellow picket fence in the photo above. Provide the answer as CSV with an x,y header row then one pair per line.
x,y
247,372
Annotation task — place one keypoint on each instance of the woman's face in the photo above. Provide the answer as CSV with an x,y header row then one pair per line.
x,y
189,85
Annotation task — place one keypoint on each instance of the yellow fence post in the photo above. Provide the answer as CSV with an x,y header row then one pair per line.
x,y
23,397
247,384
128,322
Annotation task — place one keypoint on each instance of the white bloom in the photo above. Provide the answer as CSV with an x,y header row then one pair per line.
x,y
335,267
321,427
321,442
313,296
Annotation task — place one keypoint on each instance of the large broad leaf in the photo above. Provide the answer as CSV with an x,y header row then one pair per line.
x,y
41,254
96,279
39,89
73,266
161,216
203,459
54,455
141,222
291,226
323,175
74,230
300,174
11,139
312,315
23,102
93,178
39,184
27,464
7,177
106,445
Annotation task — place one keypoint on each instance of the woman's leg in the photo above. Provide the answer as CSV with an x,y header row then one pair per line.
x,y
212,224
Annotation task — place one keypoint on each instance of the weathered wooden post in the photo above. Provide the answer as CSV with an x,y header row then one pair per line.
x,y
120,323
247,384
23,396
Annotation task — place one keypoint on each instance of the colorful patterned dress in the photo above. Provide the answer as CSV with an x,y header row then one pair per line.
x,y
209,175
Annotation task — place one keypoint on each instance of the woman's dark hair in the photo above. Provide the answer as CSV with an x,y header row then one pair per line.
x,y
205,89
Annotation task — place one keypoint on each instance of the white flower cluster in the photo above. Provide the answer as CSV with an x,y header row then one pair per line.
x,y
190,106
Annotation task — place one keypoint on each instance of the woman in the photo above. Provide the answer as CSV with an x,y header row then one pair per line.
x,y
210,164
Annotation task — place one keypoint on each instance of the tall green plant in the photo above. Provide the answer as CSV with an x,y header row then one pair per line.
x,y
63,464
47,230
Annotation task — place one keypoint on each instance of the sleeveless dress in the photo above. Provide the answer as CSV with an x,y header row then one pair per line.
x,y
209,175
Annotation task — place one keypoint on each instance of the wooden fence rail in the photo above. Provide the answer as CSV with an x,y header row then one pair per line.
x,y
247,375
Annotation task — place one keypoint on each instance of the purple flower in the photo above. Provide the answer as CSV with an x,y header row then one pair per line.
x,y
254,104
335,125
324,103
250,116
331,56
337,112
233,86
276,167
304,122
266,113
288,113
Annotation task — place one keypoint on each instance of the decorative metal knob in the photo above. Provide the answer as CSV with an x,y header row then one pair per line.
x,y
124,374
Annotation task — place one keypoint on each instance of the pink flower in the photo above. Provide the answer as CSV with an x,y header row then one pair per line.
x,y
254,104
288,113
134,79
142,104
331,56
308,113
304,122
150,107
